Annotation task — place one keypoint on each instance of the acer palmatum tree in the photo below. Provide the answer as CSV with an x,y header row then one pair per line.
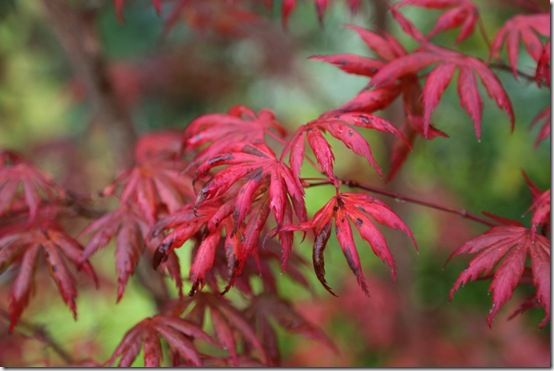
x,y
227,190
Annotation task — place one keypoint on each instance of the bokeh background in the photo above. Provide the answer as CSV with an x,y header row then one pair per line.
x,y
211,59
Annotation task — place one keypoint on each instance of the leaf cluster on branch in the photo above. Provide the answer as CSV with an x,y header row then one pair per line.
x,y
228,190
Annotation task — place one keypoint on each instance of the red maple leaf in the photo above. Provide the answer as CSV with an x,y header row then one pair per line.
x,y
266,309
458,13
526,28
370,99
446,62
258,266
234,206
544,117
208,225
179,334
240,125
230,326
20,180
132,235
205,225
24,246
157,183
341,126
504,250
346,208
266,181
162,145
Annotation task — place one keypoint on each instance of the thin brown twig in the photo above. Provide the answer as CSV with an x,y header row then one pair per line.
x,y
504,67
40,333
460,212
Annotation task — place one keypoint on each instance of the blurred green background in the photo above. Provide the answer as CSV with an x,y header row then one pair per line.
x,y
168,79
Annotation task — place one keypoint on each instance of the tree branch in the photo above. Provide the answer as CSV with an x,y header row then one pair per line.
x,y
460,212
41,334
77,35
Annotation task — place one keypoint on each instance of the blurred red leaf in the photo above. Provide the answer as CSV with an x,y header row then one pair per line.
x,y
20,181
526,28
457,13
132,234
544,117
265,308
179,334
230,326
24,248
240,125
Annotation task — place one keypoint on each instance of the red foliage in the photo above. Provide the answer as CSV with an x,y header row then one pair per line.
x,y
506,248
341,127
457,13
223,184
22,183
446,62
24,247
177,332
356,208
526,28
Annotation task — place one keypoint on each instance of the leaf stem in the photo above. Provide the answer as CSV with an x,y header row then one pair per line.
x,y
484,33
460,212
504,67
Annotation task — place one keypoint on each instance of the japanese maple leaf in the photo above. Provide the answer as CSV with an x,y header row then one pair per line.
x,y
502,252
21,180
179,334
132,235
266,309
161,145
386,49
446,63
179,227
266,180
528,29
208,225
23,248
258,266
457,13
255,184
543,117
359,209
340,126
213,134
230,326
155,186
